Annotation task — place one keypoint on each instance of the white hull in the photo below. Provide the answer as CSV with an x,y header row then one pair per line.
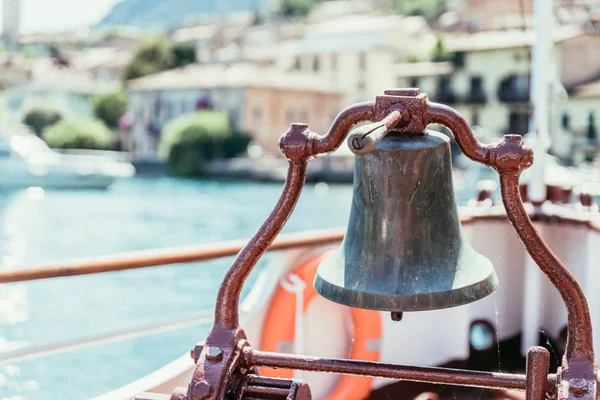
x,y
26,161
524,303
56,180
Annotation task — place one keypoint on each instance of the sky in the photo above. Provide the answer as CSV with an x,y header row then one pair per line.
x,y
59,15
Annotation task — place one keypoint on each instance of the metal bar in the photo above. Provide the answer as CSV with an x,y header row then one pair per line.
x,y
228,298
538,362
31,352
445,376
579,339
265,390
466,140
172,255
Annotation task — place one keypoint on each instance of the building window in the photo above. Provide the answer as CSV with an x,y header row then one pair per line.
x,y
444,84
334,62
445,94
514,89
257,117
316,64
414,82
565,121
522,83
362,61
592,132
476,83
297,63
361,84
518,123
477,95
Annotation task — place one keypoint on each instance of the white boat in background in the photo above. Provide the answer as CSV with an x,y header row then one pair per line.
x,y
26,161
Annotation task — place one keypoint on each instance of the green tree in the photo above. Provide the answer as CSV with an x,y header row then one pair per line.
x,y
192,138
78,134
430,9
153,55
439,52
40,117
183,54
296,8
57,55
109,107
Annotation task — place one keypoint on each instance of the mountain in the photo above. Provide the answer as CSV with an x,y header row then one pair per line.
x,y
164,14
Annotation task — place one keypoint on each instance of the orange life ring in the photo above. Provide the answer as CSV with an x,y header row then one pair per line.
x,y
279,327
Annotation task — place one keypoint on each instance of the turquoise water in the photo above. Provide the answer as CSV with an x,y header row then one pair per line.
x,y
141,213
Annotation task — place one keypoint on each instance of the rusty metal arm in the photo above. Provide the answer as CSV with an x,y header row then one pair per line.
x,y
228,298
342,125
579,339
298,145
221,353
436,113
509,158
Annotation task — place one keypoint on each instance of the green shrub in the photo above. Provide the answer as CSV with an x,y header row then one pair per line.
x,y
183,54
78,134
296,8
109,107
192,138
38,118
235,145
153,55
440,52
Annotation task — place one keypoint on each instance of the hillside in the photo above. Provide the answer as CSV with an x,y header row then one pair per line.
x,y
163,14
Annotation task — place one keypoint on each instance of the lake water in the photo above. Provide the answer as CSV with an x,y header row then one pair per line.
x,y
142,213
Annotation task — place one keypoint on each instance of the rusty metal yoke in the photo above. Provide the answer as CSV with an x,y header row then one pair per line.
x,y
225,363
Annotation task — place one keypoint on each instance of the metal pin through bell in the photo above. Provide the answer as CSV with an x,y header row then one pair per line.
x,y
404,248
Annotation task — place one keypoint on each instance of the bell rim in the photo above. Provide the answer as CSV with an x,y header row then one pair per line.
x,y
400,302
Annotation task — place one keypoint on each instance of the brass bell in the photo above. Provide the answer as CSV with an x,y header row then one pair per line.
x,y
404,248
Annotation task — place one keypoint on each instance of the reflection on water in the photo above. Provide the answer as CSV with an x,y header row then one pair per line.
x,y
38,226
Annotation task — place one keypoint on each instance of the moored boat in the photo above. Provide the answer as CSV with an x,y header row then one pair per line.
x,y
26,161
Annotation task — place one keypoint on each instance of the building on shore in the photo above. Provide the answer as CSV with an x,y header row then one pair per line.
x,y
487,81
359,52
67,89
260,100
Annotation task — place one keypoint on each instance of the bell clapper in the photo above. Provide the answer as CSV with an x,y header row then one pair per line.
x,y
365,138
397,316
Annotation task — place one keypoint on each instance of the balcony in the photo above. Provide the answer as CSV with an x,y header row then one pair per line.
x,y
445,94
476,97
514,89
476,94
